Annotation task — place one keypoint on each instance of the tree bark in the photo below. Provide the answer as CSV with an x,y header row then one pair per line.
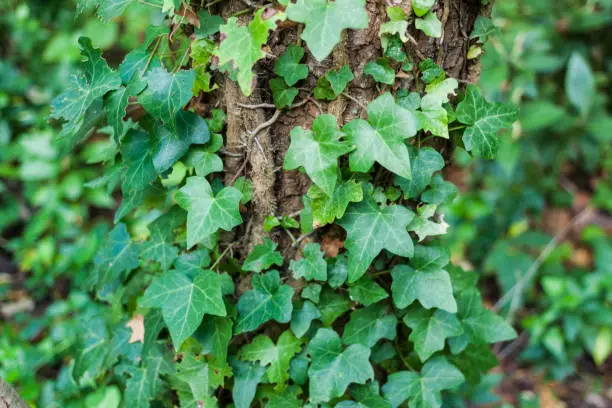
x,y
260,157
9,397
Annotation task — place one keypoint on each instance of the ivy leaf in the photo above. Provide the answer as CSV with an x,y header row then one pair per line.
x,y
94,341
430,328
288,65
371,229
312,266
139,389
381,71
195,373
433,116
209,24
366,291
324,21
317,150
483,27
422,390
423,226
246,378
339,79
479,323
484,120
241,48
430,25
89,85
268,300
424,281
325,209
580,83
425,162
440,191
262,257
332,305
159,248
166,94
370,324
282,94
185,301
312,291
382,137
116,103
215,336
331,369
277,356
421,7
302,318
117,256
138,161
207,212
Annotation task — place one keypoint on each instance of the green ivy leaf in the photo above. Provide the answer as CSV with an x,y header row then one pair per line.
x,y
422,391
209,24
325,209
312,291
433,116
268,300
483,27
194,372
484,120
430,25
139,390
381,71
116,103
91,84
282,95
185,301
332,369
215,336
317,150
371,229
166,94
479,323
207,212
369,325
241,48
425,162
302,318
365,396
262,257
440,191
94,345
138,162
366,291
424,281
246,378
312,266
324,22
430,329
288,65
117,256
277,356
421,7
382,138
159,248
580,84
423,226
332,305
339,79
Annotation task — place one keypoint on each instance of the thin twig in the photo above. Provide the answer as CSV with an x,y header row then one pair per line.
x,y
535,266
352,98
244,163
256,106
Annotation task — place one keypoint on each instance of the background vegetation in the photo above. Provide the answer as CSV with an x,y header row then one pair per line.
x,y
534,224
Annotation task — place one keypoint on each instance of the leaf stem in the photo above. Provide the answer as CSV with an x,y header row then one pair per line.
x,y
225,251
151,57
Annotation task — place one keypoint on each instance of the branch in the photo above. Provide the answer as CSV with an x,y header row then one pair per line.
x,y
9,397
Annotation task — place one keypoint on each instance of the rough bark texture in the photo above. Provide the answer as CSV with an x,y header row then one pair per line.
x,y
9,397
260,156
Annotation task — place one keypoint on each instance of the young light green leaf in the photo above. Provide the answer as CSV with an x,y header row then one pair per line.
x,y
207,212
262,257
288,65
241,48
332,369
312,266
430,25
430,328
381,71
423,226
268,300
424,281
325,209
484,120
382,138
91,84
325,20
339,79
277,356
579,83
317,150
421,7
185,301
422,391
370,324
371,229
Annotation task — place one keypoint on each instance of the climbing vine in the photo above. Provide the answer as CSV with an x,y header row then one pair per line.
x,y
348,302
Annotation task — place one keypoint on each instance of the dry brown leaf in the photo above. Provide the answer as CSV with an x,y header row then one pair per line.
x,y
138,329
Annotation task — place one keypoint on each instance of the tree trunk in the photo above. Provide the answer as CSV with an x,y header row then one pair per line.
x,y
260,156
9,397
